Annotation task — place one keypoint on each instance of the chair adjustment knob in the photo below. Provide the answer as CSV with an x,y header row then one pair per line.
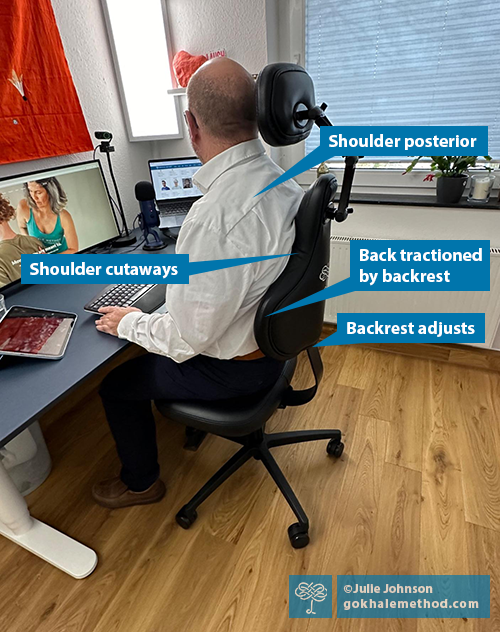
x,y
339,215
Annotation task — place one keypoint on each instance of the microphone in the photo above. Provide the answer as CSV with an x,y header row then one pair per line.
x,y
149,219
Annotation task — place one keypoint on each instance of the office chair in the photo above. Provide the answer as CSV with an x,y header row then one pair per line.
x,y
286,113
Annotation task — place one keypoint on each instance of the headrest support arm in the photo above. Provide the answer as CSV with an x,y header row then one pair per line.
x,y
286,113
315,114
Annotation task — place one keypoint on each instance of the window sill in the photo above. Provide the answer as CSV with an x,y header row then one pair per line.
x,y
385,183
417,200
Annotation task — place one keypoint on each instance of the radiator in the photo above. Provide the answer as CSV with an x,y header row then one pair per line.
x,y
418,302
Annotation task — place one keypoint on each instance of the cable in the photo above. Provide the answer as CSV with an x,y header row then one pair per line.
x,y
169,234
115,185
100,251
109,248
126,252
118,209
112,201
106,148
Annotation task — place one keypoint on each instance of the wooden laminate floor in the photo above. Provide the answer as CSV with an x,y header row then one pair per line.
x,y
416,492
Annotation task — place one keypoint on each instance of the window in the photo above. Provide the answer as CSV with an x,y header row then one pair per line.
x,y
405,62
138,38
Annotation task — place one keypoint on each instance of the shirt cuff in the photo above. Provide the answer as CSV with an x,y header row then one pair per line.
x,y
127,323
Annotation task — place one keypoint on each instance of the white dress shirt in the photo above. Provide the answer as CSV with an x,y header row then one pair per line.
x,y
214,314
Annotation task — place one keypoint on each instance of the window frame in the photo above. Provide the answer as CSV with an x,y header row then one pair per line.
x,y
121,90
384,180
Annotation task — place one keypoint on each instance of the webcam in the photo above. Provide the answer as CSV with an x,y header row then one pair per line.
x,y
103,135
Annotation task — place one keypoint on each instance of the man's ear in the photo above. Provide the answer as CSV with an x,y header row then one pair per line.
x,y
194,130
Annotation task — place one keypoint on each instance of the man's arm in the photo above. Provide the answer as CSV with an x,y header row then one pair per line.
x,y
200,312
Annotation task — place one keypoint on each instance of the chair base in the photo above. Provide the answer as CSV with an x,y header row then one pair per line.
x,y
257,446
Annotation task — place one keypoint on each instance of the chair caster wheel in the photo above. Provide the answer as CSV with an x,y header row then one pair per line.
x,y
185,519
194,438
335,448
299,537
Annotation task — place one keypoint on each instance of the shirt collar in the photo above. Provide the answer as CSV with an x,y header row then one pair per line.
x,y
226,160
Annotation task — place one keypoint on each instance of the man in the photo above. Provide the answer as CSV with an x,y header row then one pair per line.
x,y
12,245
203,347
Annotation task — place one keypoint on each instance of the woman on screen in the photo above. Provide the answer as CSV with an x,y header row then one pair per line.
x,y
42,214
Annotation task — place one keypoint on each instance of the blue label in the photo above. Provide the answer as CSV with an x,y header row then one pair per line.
x,y
310,596
408,328
79,269
391,140
126,268
413,596
424,265
405,140
412,265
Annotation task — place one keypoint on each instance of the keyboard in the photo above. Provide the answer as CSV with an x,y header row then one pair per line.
x,y
145,297
174,208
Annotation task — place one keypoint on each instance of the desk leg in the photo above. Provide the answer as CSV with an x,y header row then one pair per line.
x,y
54,547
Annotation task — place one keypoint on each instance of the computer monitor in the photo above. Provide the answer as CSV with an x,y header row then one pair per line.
x,y
172,178
55,211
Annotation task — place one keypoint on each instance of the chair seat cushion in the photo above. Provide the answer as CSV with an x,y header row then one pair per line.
x,y
234,417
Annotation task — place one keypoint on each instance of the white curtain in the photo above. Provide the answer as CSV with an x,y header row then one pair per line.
x,y
406,62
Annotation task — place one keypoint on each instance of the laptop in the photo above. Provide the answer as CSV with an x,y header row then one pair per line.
x,y
175,191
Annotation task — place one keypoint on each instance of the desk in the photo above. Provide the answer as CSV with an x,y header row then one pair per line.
x,y
28,388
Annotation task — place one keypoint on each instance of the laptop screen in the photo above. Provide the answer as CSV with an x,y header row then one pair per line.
x,y
173,179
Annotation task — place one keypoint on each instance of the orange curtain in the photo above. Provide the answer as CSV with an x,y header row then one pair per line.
x,y
40,113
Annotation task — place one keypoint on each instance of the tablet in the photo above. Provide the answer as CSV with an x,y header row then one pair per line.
x,y
35,333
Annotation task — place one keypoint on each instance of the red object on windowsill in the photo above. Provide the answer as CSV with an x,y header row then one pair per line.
x,y
185,65
429,177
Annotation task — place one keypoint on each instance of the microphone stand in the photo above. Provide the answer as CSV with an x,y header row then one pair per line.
x,y
127,239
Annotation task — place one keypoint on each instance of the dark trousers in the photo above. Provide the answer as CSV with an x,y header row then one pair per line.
x,y
128,390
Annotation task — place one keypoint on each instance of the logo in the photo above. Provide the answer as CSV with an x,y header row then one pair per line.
x,y
323,275
310,596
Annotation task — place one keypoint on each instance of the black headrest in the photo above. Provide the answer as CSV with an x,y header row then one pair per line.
x,y
285,335
282,91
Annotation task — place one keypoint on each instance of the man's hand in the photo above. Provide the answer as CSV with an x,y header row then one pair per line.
x,y
111,317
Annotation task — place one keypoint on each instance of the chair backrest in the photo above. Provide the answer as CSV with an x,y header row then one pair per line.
x,y
285,335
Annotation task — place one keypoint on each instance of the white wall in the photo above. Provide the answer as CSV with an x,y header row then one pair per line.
x,y
238,26
85,41
387,221
420,222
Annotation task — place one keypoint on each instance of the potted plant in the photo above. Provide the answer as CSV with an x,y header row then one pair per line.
x,y
451,174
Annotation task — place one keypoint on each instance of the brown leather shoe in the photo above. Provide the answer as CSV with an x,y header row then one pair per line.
x,y
114,494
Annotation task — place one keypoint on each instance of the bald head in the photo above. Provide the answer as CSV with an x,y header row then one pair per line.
x,y
221,96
